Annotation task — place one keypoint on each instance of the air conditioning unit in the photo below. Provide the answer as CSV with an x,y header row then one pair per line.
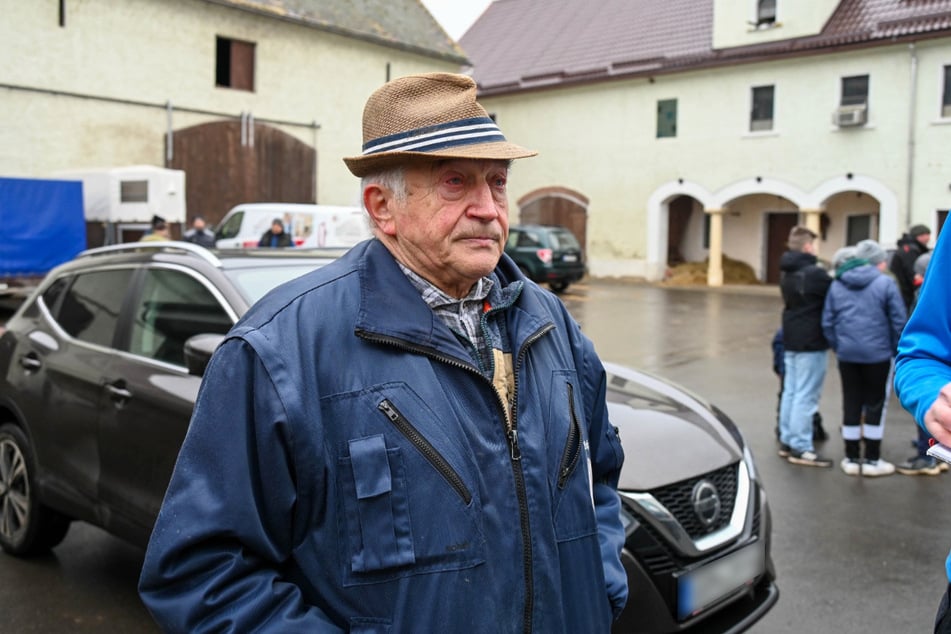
x,y
847,116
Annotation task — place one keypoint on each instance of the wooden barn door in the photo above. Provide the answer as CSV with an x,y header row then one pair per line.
x,y
224,167
555,210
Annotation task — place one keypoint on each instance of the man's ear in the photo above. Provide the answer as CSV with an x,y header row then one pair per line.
x,y
377,201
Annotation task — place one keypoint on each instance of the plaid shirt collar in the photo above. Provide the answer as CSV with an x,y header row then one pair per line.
x,y
463,316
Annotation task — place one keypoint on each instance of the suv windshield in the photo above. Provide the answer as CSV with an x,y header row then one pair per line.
x,y
564,240
254,283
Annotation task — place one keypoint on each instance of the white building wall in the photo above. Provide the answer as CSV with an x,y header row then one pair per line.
x,y
159,51
734,21
601,141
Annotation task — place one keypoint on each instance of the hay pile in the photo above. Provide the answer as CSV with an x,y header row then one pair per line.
x,y
695,273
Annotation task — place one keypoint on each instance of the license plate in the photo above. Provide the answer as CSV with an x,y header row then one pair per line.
x,y
570,257
700,588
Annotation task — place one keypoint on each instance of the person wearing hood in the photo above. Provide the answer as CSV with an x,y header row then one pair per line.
x,y
804,285
911,245
862,320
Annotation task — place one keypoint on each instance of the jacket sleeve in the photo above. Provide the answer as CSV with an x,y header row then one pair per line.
x,y
923,365
829,318
779,365
214,561
607,457
897,315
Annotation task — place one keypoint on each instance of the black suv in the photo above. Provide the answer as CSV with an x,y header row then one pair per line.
x,y
546,254
99,370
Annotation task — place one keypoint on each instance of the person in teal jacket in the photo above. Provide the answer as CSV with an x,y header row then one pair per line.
x,y
413,438
923,369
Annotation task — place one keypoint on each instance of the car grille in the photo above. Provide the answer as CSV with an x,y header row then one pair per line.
x,y
676,498
655,552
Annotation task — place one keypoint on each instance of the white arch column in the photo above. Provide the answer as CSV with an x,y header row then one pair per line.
x,y
811,218
715,257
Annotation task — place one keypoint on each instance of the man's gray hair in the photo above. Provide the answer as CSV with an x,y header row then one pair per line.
x,y
799,237
392,178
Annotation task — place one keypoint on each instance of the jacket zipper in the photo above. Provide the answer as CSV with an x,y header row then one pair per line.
x,y
429,452
520,489
510,418
569,459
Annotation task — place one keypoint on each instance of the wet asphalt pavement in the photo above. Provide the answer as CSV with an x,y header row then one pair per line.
x,y
852,555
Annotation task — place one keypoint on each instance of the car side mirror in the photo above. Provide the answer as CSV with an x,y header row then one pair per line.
x,y
198,351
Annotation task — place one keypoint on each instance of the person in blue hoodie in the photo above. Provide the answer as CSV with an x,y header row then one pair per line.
x,y
862,320
923,372
412,438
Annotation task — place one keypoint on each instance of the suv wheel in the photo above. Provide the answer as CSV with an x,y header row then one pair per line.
x,y
558,287
26,527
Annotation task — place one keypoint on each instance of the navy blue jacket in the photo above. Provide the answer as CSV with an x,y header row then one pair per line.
x,y
863,316
348,468
804,285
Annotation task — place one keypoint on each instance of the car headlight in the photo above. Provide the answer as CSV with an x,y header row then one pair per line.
x,y
628,521
750,463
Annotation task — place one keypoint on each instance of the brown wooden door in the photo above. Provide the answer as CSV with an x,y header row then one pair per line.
x,y
558,211
778,226
221,172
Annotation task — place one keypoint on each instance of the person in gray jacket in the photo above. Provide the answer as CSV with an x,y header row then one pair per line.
x,y
862,320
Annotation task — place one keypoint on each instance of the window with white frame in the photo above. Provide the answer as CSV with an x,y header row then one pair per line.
x,y
761,114
765,13
666,118
855,91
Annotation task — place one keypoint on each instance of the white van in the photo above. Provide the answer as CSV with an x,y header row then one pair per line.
x,y
308,225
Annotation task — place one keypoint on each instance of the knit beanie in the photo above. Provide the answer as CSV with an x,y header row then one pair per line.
x,y
870,251
918,230
842,256
921,263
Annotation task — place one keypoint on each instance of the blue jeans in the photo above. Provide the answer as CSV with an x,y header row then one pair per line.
x,y
802,384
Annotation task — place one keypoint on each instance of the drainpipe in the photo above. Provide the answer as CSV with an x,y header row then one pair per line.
x,y
169,134
912,98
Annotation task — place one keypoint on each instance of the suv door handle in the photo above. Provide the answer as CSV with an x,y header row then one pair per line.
x,y
30,362
117,392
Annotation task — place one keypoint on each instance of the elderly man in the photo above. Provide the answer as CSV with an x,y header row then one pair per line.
x,y
412,439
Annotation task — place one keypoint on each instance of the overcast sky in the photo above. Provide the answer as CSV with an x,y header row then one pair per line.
x,y
456,16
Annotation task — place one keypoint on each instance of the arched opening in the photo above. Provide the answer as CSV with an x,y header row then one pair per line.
x,y
558,206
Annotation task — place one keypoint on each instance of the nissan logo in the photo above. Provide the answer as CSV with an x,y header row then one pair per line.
x,y
706,502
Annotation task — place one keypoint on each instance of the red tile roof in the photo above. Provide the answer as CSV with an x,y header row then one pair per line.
x,y
521,45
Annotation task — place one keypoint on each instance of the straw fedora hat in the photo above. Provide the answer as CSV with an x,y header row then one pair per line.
x,y
430,116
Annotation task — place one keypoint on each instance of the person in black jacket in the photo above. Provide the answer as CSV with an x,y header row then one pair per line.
x,y
804,286
275,236
909,247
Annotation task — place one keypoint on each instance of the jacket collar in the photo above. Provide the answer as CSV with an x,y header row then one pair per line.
x,y
392,308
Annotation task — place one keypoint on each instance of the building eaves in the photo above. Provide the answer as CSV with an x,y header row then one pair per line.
x,y
527,65
404,25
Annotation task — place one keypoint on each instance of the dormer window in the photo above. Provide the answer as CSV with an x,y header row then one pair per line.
x,y
765,13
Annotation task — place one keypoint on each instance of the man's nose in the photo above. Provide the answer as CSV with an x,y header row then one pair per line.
x,y
482,202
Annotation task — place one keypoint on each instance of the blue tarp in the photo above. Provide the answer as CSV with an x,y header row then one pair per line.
x,y
41,224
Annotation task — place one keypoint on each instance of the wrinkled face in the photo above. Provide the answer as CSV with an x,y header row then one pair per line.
x,y
452,225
